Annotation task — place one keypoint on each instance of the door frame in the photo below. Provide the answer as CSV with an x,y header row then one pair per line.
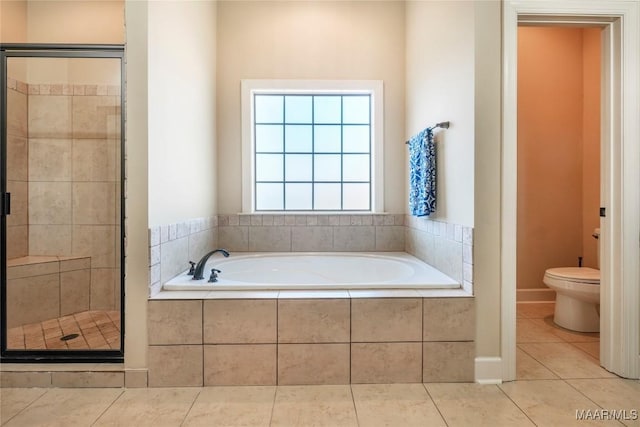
x,y
10,50
620,174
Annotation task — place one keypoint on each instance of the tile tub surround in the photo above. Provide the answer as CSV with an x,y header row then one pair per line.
x,y
172,246
446,246
292,341
47,287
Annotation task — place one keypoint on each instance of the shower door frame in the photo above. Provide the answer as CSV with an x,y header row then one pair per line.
x,y
15,50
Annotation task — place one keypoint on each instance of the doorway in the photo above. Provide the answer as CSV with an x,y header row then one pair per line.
x,y
62,211
620,227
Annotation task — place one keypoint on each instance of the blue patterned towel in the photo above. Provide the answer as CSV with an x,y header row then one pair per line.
x,y
422,173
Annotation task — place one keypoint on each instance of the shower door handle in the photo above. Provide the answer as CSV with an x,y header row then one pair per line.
x,y
6,204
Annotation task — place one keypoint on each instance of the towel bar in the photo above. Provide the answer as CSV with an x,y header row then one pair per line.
x,y
443,125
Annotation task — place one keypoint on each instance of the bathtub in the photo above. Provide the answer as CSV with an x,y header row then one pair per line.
x,y
316,270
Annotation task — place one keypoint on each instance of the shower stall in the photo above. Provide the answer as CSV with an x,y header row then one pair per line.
x,y
62,202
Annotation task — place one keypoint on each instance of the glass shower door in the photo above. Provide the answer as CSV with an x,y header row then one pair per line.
x,y
62,259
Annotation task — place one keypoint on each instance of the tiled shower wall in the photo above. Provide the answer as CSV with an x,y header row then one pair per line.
x,y
17,174
66,151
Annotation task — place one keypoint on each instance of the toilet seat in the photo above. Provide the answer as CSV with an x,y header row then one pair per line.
x,y
575,274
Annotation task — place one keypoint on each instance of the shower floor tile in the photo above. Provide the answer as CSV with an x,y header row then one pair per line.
x,y
96,330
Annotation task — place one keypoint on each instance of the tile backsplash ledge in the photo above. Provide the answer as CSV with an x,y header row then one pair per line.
x,y
446,246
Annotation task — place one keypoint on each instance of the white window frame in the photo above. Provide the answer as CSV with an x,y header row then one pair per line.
x,y
249,87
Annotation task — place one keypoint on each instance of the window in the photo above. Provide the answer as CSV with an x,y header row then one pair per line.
x,y
309,148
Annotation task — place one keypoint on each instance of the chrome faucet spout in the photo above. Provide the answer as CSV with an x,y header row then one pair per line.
x,y
198,273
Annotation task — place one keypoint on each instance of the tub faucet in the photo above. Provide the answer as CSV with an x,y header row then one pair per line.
x,y
197,274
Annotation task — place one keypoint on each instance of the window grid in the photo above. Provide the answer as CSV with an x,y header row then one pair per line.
x,y
313,124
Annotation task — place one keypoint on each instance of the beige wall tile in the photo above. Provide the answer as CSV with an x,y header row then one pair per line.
x,y
270,239
448,361
75,291
98,242
354,238
310,239
103,287
49,116
17,241
72,264
313,364
17,158
32,299
390,238
175,322
449,319
240,321
94,160
386,319
135,378
200,243
174,258
49,203
50,240
175,365
386,363
87,379
448,257
245,364
49,159
93,203
24,380
16,113
93,116
313,321
234,238
33,269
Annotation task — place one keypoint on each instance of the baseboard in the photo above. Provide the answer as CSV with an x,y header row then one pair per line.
x,y
488,370
535,295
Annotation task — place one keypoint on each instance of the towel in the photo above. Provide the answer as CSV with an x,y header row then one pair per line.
x,y
422,173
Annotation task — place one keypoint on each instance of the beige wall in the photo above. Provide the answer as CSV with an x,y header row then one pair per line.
x,y
440,87
13,21
551,149
309,40
182,110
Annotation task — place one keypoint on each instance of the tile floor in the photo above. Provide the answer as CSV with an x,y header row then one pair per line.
x,y
95,329
557,376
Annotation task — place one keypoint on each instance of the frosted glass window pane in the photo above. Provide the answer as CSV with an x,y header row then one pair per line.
x,y
298,196
327,196
327,167
297,109
356,139
355,196
355,167
356,109
298,138
298,167
327,109
327,139
269,196
269,108
269,137
269,167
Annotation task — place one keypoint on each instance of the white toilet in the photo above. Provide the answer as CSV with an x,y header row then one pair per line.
x,y
577,295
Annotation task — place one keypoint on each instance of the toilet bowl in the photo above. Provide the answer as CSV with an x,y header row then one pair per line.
x,y
577,297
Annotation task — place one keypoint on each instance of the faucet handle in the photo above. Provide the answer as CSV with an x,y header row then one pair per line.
x,y
214,275
192,269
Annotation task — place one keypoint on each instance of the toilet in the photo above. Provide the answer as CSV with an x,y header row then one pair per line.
x,y
577,295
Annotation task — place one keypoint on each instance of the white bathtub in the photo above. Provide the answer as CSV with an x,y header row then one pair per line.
x,y
316,270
